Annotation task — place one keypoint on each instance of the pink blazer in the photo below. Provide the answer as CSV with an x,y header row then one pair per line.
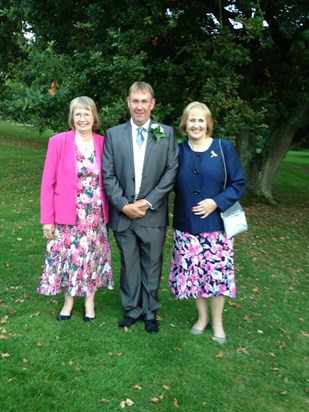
x,y
59,181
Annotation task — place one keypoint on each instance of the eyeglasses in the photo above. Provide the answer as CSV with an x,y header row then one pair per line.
x,y
80,115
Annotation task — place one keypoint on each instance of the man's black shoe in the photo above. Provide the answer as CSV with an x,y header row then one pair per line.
x,y
151,326
126,322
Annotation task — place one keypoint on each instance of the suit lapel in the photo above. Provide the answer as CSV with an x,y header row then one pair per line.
x,y
149,145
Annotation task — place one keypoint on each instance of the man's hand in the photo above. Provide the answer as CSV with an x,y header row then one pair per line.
x,y
142,205
136,210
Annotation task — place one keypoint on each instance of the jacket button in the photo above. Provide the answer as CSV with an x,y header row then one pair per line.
x,y
196,192
196,171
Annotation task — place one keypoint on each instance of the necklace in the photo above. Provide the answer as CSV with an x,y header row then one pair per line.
x,y
84,144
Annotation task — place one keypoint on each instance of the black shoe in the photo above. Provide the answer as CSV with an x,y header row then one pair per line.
x,y
63,317
151,326
87,319
126,322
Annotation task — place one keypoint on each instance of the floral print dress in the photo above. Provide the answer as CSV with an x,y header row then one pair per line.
x,y
78,259
202,265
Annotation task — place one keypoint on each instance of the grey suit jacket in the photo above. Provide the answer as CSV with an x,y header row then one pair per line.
x,y
159,173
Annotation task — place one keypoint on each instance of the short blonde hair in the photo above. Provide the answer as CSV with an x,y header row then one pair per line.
x,y
141,86
86,103
200,106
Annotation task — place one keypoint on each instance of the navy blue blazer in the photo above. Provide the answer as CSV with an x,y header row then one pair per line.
x,y
200,176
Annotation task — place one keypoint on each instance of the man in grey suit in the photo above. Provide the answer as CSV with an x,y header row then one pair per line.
x,y
140,161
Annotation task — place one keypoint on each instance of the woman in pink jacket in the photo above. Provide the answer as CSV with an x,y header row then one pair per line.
x,y
74,212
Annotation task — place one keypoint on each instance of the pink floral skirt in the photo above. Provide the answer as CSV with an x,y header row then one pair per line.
x,y
78,259
202,265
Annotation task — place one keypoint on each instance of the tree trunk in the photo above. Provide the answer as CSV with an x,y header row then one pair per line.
x,y
260,168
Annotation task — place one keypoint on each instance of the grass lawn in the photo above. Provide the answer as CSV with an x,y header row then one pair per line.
x,y
51,366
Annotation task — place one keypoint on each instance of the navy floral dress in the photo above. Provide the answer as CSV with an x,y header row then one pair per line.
x,y
202,265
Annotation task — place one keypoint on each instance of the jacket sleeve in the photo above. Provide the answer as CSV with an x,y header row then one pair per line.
x,y
49,183
111,184
235,185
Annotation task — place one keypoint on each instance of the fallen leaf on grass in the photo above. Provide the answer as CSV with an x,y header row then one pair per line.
x,y
115,354
260,332
39,344
166,387
3,337
156,399
4,319
103,400
127,402
283,393
19,239
137,387
246,318
305,334
219,356
5,355
272,354
35,314
175,403
242,350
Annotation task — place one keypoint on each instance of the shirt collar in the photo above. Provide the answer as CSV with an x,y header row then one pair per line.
x,y
144,126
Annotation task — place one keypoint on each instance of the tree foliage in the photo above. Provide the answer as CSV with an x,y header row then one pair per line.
x,y
248,60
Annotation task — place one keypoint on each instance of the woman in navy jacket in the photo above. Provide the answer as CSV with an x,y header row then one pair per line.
x,y
202,264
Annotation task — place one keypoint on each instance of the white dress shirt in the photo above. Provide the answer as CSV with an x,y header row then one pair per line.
x,y
139,154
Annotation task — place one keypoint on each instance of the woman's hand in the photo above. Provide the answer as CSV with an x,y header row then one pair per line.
x,y
48,231
204,208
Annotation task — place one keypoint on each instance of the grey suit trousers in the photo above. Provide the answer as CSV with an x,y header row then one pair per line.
x,y
141,250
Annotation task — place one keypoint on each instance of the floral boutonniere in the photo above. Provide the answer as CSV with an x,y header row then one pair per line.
x,y
157,132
